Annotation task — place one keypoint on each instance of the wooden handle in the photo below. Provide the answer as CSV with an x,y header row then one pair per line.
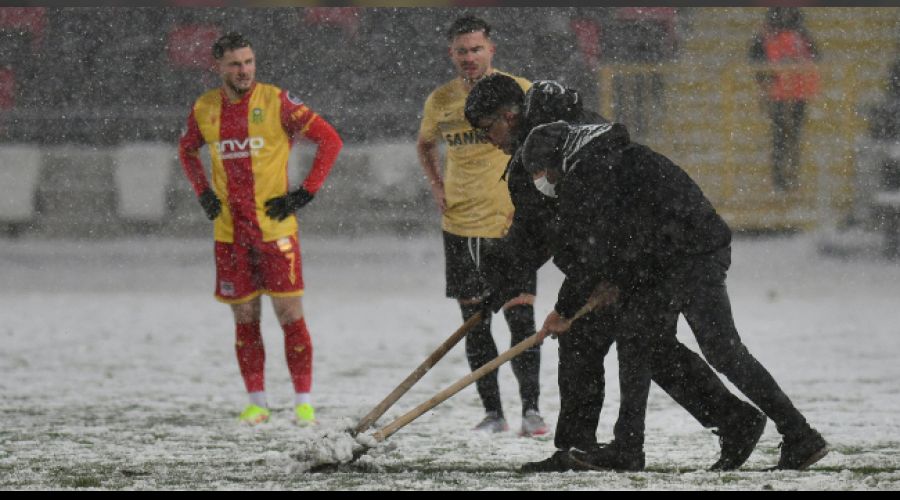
x,y
462,383
386,431
417,374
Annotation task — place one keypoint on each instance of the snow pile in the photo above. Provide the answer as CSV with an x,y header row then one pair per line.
x,y
327,448
332,447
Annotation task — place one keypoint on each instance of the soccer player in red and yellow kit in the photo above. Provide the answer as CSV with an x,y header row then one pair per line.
x,y
250,127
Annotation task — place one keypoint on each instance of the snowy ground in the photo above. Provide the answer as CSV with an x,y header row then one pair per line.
x,y
119,373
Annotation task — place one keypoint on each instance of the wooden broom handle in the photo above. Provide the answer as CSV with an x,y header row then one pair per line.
x,y
417,374
386,431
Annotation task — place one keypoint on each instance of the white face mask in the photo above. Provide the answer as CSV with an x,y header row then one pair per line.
x,y
545,186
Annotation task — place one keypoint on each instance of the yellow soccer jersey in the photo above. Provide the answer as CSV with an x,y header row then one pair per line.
x,y
478,202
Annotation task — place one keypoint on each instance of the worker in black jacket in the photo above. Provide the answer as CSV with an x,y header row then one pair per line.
x,y
632,221
532,241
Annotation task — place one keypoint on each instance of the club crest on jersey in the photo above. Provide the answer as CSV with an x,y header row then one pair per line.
x,y
295,100
256,116
227,288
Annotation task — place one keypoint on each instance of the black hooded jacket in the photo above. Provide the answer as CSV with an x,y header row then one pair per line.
x,y
629,225
626,215
528,244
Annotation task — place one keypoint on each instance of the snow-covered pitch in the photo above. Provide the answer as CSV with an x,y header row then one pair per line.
x,y
118,372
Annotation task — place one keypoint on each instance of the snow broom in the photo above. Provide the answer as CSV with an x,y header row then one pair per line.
x,y
388,430
363,446
336,447
417,374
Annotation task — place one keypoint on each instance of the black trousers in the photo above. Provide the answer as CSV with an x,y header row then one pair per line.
x,y
787,124
680,372
581,379
707,309
649,350
696,288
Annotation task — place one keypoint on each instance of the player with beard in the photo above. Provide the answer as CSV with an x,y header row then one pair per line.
x,y
476,212
250,128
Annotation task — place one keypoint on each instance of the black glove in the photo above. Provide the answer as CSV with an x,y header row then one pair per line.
x,y
281,207
210,203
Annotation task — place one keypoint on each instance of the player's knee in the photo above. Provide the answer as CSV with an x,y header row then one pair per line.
x,y
520,319
244,318
288,309
248,312
289,317
469,309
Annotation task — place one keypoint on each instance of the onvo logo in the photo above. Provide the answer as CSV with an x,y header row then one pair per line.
x,y
230,149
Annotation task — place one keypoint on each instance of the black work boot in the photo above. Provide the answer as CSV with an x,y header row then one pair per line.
x,y
739,438
558,462
609,457
799,451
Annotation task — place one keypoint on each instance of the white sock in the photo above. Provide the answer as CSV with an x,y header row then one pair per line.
x,y
258,399
301,398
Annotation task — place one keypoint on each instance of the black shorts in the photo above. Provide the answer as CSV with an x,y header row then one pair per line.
x,y
462,257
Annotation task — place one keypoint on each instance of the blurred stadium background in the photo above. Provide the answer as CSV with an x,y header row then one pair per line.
x,y
93,100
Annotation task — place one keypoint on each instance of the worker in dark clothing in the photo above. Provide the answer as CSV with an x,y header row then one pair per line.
x,y
531,242
632,221
788,83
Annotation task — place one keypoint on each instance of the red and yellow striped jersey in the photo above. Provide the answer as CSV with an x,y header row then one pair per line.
x,y
249,143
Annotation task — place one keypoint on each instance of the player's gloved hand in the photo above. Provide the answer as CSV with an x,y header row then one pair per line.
x,y
281,207
210,203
